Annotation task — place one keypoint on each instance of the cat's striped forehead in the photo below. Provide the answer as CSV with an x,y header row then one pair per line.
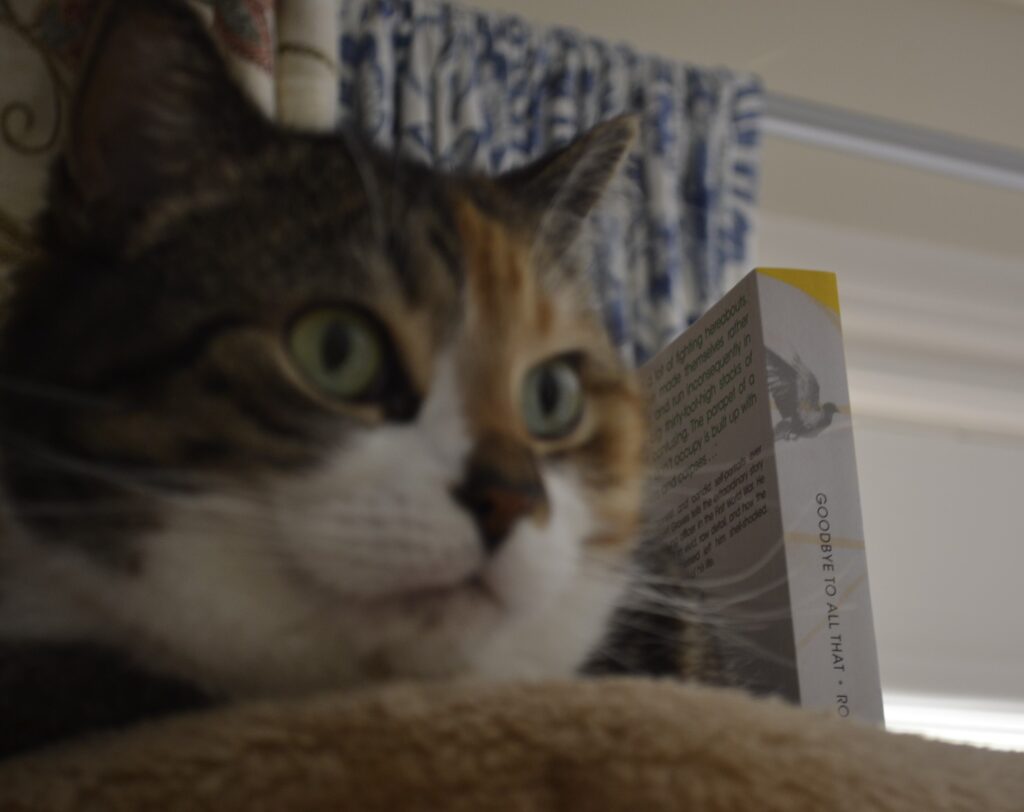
x,y
503,288
459,268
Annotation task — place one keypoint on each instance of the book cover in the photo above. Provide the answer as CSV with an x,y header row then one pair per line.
x,y
755,495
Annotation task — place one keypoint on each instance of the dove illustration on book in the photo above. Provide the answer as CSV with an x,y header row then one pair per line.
x,y
794,388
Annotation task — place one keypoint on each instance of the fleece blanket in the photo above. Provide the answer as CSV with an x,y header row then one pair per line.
x,y
607,744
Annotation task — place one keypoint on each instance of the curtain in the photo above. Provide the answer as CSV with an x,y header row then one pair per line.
x,y
458,89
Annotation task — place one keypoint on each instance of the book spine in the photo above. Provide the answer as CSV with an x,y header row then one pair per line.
x,y
814,460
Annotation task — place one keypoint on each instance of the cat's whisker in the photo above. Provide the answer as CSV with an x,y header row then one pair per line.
x,y
603,654
679,615
94,509
61,395
737,636
364,169
719,464
155,483
744,643
731,598
700,608
650,624
656,476
397,166
556,216
707,581
704,614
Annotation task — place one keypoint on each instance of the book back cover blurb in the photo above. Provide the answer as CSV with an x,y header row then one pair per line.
x,y
755,500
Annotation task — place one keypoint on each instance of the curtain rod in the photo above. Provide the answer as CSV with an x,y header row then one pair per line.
x,y
831,127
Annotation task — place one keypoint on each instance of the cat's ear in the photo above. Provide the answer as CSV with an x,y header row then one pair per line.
x,y
563,187
155,106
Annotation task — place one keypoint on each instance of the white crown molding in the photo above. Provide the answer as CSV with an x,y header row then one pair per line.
x,y
934,336
936,405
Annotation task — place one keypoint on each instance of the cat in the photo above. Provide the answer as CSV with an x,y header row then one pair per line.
x,y
281,412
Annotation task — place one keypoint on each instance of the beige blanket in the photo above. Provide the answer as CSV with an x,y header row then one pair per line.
x,y
624,744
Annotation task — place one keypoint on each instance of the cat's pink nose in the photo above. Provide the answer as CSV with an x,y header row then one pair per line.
x,y
502,485
495,509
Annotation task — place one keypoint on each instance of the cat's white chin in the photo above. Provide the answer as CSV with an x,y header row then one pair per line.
x,y
430,607
245,625
365,569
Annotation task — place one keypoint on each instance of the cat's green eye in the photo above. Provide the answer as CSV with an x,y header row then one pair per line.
x,y
552,399
339,350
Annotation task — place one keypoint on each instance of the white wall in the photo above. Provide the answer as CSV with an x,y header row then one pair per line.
x,y
937,387
931,275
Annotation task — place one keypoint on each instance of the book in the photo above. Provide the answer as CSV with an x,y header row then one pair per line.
x,y
755,496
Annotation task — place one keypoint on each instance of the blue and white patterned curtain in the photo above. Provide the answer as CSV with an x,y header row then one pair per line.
x,y
460,88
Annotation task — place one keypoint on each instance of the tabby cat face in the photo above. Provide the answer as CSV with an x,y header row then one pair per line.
x,y
286,413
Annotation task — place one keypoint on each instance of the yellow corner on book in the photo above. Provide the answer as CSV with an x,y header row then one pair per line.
x,y
819,285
